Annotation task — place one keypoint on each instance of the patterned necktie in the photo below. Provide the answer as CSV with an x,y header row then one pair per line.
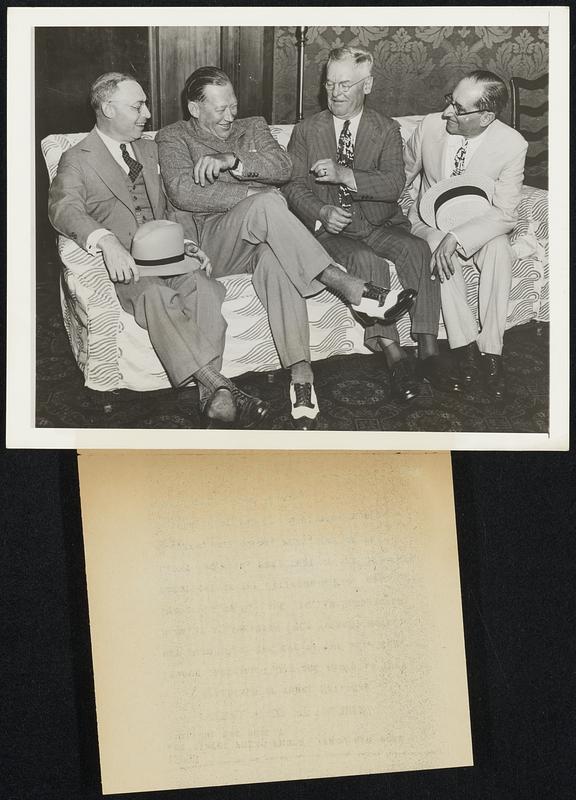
x,y
460,159
135,167
346,158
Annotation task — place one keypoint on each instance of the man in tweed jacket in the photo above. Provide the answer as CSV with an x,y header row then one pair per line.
x,y
220,173
352,208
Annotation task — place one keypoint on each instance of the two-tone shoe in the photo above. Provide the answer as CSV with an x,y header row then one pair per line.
x,y
383,305
304,406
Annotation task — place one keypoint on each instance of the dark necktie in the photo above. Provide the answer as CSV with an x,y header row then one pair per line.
x,y
346,158
460,159
134,167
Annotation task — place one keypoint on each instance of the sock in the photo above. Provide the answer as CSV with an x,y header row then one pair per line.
x,y
301,372
347,286
209,380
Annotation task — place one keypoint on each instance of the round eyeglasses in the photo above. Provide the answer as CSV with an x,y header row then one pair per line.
x,y
450,102
342,86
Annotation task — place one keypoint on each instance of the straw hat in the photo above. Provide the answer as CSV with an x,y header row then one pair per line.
x,y
456,200
158,249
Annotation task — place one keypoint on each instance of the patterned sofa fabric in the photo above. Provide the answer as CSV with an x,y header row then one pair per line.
x,y
114,352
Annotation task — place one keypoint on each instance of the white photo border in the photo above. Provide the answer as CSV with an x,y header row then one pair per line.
x,y
21,317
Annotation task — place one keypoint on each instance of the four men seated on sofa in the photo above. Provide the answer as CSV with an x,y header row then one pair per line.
x,y
341,181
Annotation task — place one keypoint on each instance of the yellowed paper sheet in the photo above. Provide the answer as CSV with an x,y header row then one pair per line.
x,y
273,616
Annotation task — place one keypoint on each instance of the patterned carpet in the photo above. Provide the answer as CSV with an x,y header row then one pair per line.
x,y
353,392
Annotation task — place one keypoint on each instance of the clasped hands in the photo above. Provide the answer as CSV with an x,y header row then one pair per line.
x,y
122,268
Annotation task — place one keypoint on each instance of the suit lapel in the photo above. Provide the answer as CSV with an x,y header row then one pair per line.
x,y
146,157
366,140
106,168
327,148
438,150
488,146
326,135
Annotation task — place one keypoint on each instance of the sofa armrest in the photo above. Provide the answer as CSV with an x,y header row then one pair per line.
x,y
530,235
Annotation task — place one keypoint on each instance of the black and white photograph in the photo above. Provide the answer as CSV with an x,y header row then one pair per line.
x,y
312,236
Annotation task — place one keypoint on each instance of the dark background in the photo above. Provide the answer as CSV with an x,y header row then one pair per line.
x,y
516,523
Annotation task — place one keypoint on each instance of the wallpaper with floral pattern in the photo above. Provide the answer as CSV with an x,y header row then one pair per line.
x,y
414,66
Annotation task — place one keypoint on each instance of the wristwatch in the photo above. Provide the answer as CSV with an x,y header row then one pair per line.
x,y
235,165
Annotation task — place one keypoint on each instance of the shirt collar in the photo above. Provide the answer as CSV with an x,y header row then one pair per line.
x,y
112,144
354,122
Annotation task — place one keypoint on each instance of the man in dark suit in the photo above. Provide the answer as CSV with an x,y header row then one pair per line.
x,y
348,173
106,187
220,173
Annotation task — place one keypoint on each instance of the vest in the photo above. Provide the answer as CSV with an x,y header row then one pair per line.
x,y
139,195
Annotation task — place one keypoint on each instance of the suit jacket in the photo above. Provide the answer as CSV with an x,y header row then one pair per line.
x,y
90,191
181,145
500,156
378,168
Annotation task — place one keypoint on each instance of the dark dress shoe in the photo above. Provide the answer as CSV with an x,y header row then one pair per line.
x,y
304,406
493,376
437,373
404,380
250,411
378,304
469,358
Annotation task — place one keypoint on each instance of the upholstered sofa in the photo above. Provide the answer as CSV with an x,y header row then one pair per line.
x,y
114,353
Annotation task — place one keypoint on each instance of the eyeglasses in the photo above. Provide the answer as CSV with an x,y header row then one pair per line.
x,y
450,102
342,86
136,107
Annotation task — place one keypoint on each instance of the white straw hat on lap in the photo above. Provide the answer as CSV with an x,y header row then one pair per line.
x,y
456,200
158,249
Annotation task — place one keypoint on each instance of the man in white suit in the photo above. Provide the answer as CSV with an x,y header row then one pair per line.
x,y
468,138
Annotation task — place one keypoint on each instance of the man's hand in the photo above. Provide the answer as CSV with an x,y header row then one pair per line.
x,y
328,171
194,251
441,263
119,263
208,168
334,218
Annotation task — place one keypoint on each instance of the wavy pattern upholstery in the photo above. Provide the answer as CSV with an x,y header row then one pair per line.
x,y
114,352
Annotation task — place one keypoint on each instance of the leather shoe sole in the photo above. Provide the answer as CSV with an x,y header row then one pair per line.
x,y
369,312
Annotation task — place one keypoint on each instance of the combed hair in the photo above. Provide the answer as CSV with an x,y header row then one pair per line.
x,y
494,95
104,87
205,76
356,54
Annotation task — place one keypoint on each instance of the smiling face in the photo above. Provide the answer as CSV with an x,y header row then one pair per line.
x,y
346,104
217,111
125,114
465,97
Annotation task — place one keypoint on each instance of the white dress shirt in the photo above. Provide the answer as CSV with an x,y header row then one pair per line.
x,y
453,144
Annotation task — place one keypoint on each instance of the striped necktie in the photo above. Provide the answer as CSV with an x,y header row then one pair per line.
x,y
460,159
134,167
346,158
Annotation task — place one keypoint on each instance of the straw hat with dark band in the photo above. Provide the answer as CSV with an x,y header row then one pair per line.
x,y
158,249
456,200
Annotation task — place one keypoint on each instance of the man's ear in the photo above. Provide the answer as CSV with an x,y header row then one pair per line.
x,y
107,110
368,84
487,118
193,109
